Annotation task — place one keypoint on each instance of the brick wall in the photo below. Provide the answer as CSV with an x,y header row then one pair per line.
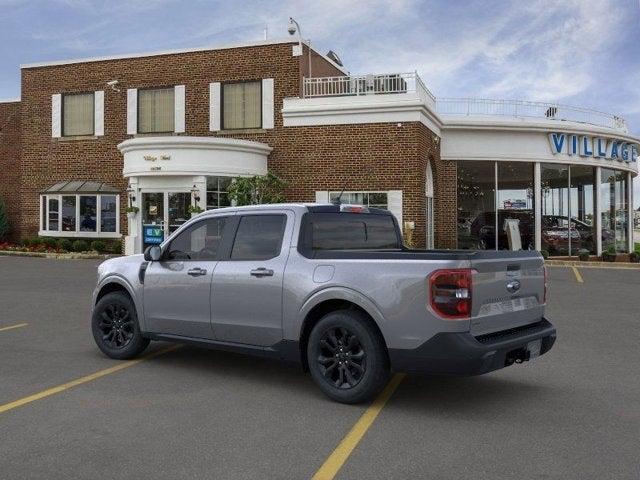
x,y
9,160
354,157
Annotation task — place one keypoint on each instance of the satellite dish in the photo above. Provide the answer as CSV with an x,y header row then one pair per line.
x,y
334,56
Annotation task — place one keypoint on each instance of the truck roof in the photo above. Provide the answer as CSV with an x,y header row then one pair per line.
x,y
311,207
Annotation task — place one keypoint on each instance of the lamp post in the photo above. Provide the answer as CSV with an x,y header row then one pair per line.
x,y
292,29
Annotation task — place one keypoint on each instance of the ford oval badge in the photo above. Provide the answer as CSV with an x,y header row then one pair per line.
x,y
513,286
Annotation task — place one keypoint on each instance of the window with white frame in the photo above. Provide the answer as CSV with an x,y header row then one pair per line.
x,y
217,196
241,105
368,199
156,110
78,114
79,215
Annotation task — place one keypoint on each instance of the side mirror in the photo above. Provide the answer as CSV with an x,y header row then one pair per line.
x,y
153,253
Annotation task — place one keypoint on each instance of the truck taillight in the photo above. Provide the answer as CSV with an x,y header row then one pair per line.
x,y
450,292
546,285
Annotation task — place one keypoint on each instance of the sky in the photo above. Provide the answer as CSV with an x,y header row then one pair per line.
x,y
577,52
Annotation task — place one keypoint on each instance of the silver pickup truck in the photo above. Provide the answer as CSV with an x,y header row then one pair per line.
x,y
329,286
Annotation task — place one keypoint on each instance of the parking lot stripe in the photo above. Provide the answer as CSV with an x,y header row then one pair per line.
x,y
333,464
74,383
577,274
19,325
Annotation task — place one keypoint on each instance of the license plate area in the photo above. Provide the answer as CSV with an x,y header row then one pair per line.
x,y
534,348
525,353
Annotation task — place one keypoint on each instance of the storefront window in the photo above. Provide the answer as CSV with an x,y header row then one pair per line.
x,y
217,196
516,220
108,213
615,217
77,215
53,223
555,208
476,205
69,214
87,214
581,206
368,199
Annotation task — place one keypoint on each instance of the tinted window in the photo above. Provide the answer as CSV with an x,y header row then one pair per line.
x,y
259,237
199,242
353,231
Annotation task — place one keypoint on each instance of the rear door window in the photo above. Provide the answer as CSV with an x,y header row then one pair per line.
x,y
352,231
259,237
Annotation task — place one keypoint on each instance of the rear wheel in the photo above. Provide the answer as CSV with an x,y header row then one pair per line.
x,y
347,357
115,328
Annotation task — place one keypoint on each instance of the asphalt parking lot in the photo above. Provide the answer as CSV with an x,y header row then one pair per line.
x,y
192,413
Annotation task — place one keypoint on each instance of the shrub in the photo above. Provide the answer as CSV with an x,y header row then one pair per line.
x,y
98,246
4,221
35,241
65,244
583,254
80,246
634,257
25,242
544,253
49,242
115,247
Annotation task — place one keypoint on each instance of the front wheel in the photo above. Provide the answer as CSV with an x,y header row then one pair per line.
x,y
115,327
347,357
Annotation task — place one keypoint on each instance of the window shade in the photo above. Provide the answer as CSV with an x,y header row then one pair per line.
x,y
242,104
78,114
156,110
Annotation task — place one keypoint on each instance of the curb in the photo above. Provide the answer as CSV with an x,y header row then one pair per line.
x,y
603,265
59,256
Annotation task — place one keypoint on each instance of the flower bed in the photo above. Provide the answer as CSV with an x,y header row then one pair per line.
x,y
49,245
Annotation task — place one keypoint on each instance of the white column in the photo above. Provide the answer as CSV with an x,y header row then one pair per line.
x,y
56,115
132,241
537,203
98,113
630,212
598,218
132,111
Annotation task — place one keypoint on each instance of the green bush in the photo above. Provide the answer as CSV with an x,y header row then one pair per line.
x,y
4,221
98,246
583,254
634,257
65,244
25,242
544,253
35,241
115,247
80,246
49,242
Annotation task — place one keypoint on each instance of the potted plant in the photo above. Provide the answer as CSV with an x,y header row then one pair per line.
x,y
194,210
610,254
132,211
583,255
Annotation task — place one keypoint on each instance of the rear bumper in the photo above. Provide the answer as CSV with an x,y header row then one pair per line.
x,y
463,354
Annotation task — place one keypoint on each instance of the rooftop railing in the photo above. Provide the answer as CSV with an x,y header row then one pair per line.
x,y
356,85
526,109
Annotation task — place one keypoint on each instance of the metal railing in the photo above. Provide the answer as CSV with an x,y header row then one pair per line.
x,y
526,109
356,85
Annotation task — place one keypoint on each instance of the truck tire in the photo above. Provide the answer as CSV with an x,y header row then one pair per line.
x,y
347,357
115,327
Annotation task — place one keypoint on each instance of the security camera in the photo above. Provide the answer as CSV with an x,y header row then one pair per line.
x,y
113,84
292,27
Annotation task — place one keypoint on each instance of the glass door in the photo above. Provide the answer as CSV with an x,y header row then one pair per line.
x,y
178,211
153,219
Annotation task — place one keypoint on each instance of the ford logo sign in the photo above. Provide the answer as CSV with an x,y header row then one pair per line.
x,y
513,286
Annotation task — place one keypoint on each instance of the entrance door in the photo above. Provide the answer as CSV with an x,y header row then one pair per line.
x,y
177,289
162,214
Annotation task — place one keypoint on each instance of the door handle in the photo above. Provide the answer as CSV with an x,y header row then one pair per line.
x,y
262,272
196,272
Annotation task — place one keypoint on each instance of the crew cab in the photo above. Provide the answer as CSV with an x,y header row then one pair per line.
x,y
331,287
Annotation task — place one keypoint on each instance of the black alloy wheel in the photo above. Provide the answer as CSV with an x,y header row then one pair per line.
x,y
116,325
341,358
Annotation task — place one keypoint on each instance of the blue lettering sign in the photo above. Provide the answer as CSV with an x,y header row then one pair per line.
x,y
557,142
624,151
586,147
153,234
614,150
573,146
634,153
601,147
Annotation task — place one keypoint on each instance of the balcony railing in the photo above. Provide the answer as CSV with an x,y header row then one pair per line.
x,y
526,109
357,85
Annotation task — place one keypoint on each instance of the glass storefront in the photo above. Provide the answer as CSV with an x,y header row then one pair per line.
x,y
495,195
614,190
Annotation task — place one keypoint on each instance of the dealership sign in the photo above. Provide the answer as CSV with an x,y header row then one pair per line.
x,y
596,147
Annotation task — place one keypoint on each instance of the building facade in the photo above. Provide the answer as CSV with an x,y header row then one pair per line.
x,y
161,133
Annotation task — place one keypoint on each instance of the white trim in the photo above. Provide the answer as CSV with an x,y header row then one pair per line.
x,y
215,118
46,233
176,52
179,109
394,205
598,207
98,113
322,196
56,115
268,107
537,205
10,100
132,111
630,243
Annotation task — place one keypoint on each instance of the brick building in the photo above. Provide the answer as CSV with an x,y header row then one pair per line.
x,y
169,130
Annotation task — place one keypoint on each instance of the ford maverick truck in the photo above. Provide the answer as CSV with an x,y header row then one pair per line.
x,y
329,286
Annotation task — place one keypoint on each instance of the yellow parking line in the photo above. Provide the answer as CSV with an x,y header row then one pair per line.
x,y
74,383
19,325
577,274
333,464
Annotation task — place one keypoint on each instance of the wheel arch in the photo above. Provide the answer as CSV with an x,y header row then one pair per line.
x,y
116,284
332,300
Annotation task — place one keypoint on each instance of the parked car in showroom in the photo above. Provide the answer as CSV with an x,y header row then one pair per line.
x,y
331,287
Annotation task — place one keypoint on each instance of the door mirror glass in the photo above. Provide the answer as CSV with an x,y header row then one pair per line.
x,y
153,253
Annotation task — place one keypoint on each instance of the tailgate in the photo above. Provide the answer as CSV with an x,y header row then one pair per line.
x,y
508,290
